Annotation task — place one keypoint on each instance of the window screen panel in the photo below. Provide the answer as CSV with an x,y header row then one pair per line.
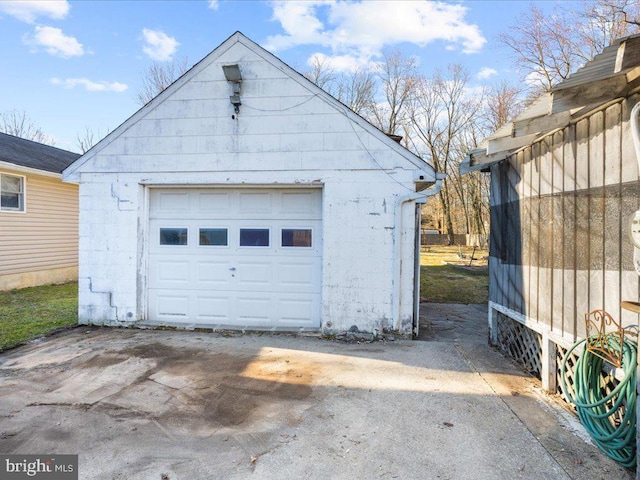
x,y
10,184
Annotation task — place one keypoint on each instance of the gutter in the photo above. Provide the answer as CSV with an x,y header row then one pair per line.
x,y
635,131
418,197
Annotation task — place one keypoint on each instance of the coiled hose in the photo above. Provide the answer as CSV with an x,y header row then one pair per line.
x,y
610,418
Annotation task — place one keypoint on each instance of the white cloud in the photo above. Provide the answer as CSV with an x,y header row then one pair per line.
x,y
362,29
300,22
487,72
340,63
535,80
54,42
158,45
213,4
89,85
29,10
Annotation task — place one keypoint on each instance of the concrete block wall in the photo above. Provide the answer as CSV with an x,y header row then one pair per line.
x,y
358,257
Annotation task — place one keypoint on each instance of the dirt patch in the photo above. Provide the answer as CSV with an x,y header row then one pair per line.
x,y
158,351
103,360
220,389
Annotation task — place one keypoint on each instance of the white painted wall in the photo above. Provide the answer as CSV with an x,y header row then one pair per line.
x,y
287,133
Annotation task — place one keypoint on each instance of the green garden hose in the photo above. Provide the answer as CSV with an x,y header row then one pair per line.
x,y
610,418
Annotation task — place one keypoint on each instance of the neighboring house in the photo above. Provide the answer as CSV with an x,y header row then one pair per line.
x,y
564,188
244,196
38,215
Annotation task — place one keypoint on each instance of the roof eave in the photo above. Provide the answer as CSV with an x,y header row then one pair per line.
x,y
612,75
28,170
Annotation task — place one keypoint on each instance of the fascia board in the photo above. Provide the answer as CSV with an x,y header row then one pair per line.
x,y
35,171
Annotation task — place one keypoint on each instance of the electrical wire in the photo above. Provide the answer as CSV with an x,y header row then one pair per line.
x,y
609,418
248,106
344,110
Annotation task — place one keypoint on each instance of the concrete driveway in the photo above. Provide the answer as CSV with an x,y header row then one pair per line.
x,y
187,405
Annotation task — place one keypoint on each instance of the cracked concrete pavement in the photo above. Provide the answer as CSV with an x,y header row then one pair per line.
x,y
140,404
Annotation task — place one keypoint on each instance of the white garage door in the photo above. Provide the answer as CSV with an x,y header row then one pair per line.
x,y
235,257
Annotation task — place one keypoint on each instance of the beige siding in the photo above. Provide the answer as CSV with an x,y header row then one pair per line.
x,y
45,237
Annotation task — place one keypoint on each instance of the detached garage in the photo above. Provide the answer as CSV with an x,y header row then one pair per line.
x,y
244,196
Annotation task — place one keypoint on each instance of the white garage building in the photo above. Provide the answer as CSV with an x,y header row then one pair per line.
x,y
244,196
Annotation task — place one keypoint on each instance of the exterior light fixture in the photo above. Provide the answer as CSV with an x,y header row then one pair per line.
x,y
235,101
233,75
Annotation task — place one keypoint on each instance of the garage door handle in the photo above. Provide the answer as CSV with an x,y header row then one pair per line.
x,y
233,269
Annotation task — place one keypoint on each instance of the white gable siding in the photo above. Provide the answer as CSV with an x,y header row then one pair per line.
x,y
286,134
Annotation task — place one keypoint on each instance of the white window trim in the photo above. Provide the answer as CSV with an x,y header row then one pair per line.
x,y
24,194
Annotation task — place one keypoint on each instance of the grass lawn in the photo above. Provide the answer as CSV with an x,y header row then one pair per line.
x,y
30,312
445,277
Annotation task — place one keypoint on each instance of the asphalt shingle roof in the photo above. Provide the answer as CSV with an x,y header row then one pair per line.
x,y
27,153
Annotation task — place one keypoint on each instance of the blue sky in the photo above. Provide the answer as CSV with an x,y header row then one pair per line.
x,y
76,64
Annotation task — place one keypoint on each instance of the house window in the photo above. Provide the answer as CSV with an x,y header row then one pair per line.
x,y
11,193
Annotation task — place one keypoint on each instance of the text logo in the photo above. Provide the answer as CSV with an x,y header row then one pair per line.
x,y
49,467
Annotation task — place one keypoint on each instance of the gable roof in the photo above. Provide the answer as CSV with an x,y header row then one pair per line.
x,y
238,37
26,153
613,74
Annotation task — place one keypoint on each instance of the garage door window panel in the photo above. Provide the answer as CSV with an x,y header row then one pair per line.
x,y
214,237
174,236
296,237
254,237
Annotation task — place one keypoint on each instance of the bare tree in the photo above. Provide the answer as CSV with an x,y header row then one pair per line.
x,y
548,47
321,74
603,21
88,139
545,47
18,124
398,75
444,114
503,104
472,188
159,76
357,90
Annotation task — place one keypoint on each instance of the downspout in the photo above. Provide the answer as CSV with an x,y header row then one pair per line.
x,y
635,133
397,244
